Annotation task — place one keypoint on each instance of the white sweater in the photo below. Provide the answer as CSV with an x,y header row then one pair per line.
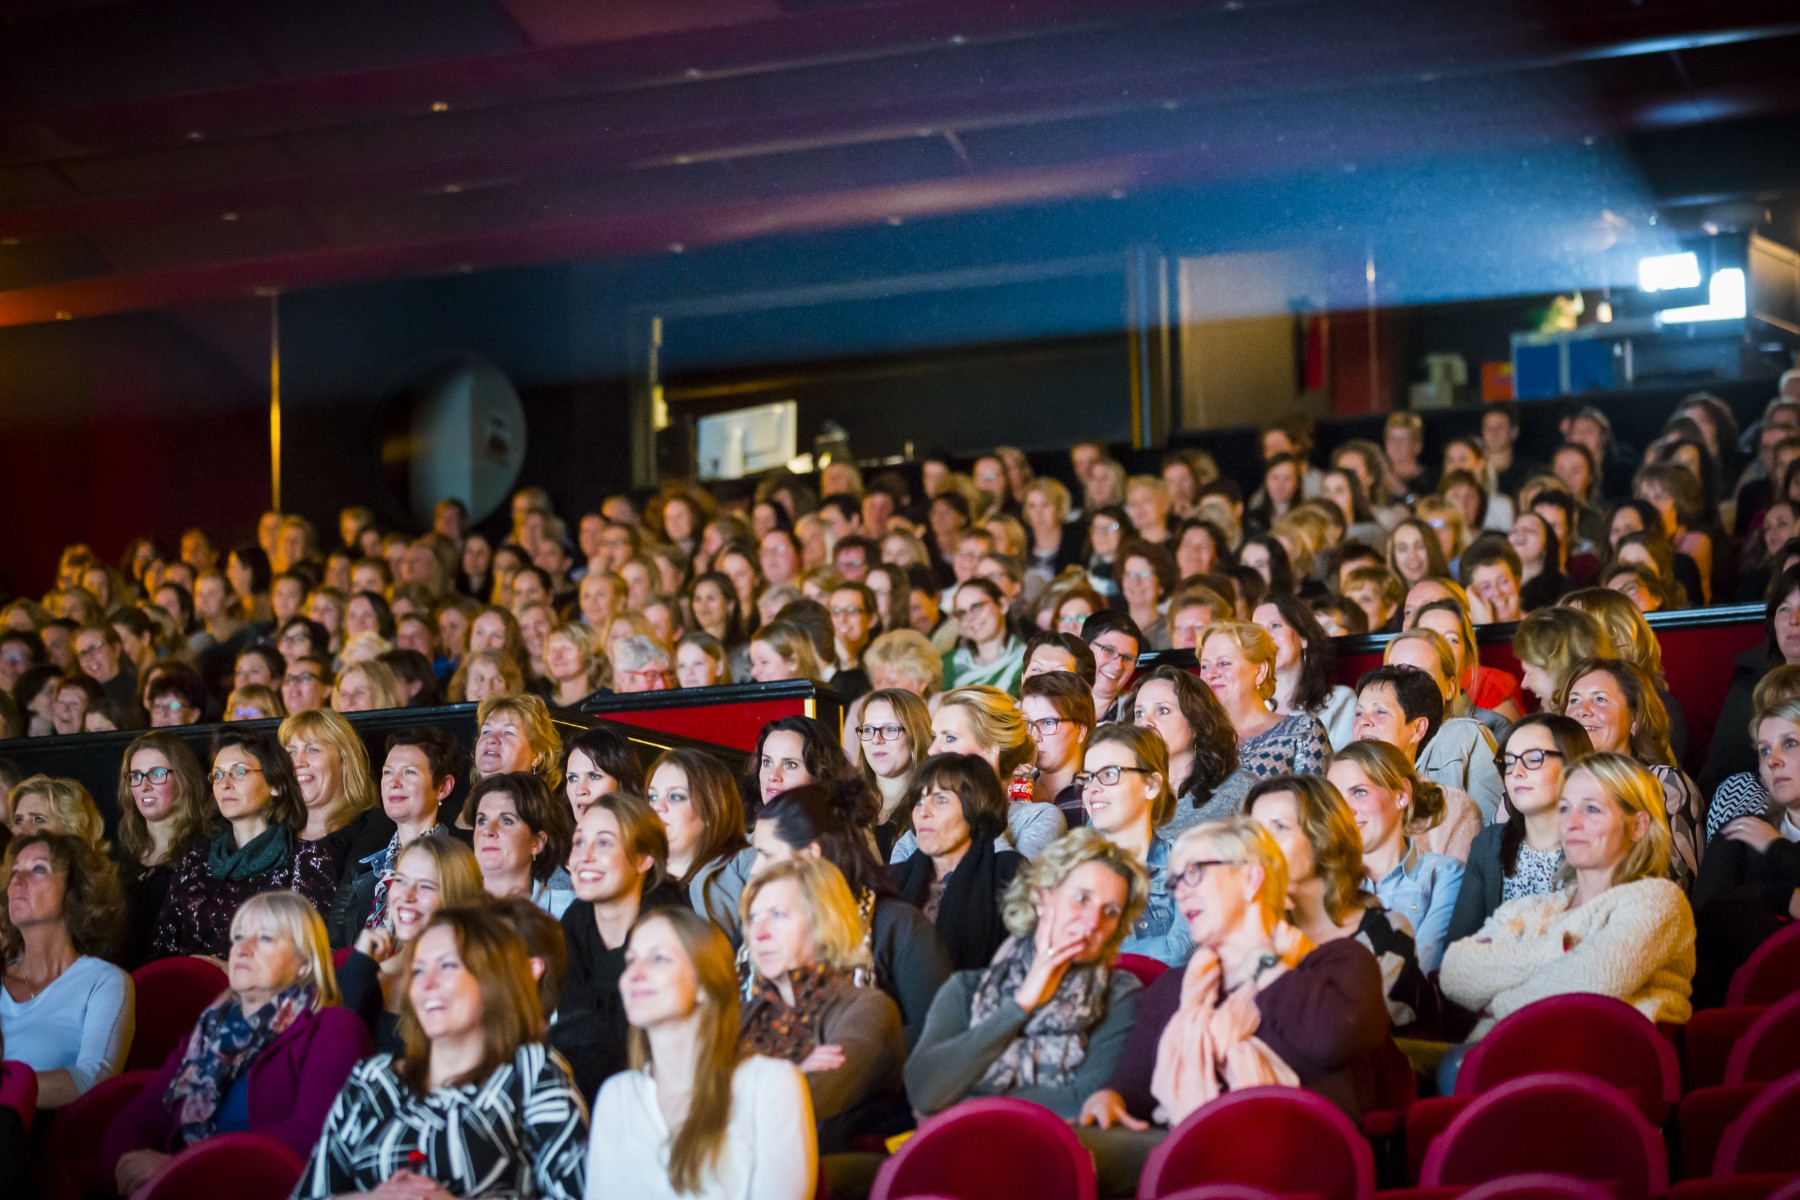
x,y
770,1150
1634,942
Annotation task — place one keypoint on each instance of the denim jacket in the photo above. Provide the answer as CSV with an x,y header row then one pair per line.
x,y
1160,932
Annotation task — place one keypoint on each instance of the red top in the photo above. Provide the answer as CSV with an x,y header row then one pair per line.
x,y
1490,687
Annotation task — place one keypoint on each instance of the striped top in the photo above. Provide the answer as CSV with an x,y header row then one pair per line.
x,y
523,1131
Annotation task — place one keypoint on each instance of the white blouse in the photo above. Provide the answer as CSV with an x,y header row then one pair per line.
x,y
770,1152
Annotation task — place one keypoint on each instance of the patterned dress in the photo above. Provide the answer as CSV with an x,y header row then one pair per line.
x,y
196,914
523,1131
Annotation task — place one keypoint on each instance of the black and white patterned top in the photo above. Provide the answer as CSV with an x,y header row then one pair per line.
x,y
1534,873
521,1132
1741,795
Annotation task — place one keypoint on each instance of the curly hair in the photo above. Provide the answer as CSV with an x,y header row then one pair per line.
x,y
1059,860
1215,741
92,909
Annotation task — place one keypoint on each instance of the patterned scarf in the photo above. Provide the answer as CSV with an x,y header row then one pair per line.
x,y
1053,1044
226,1040
778,1030
378,913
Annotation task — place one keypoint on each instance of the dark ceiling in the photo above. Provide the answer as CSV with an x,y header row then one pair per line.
x,y
154,153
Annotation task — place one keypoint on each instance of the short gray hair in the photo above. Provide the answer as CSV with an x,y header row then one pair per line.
x,y
640,653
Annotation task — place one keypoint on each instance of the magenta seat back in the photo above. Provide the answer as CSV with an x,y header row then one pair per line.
x,y
1222,1191
990,1149
1141,966
1770,1048
19,1091
230,1166
1770,974
1557,1122
1538,1185
171,995
1763,1141
1277,1138
1585,1034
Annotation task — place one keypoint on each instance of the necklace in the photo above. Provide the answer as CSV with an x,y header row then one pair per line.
x,y
36,989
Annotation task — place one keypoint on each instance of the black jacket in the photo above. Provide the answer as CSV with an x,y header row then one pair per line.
x,y
968,918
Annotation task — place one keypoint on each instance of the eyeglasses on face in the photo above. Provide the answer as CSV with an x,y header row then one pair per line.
x,y
1047,726
1106,776
880,733
237,772
156,775
1194,872
1530,759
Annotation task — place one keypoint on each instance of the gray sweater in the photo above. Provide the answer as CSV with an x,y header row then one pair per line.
x,y
947,1065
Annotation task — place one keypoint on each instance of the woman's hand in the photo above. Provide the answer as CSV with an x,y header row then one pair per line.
x,y
1754,832
822,1058
135,1169
1047,970
1106,1108
377,943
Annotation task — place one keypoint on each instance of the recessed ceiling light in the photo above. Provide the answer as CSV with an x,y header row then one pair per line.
x,y
450,189
194,135
677,248
230,216
440,106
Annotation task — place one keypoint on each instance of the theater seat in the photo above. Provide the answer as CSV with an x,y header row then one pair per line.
x,y
994,1148
1286,1140
1146,969
1711,1035
171,995
1770,1048
1771,974
19,1091
1222,1191
1540,1185
80,1128
1763,1140
230,1166
1703,1117
1559,1122
1582,1033
1738,1187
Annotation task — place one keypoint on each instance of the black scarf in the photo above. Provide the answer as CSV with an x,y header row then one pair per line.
x,y
969,917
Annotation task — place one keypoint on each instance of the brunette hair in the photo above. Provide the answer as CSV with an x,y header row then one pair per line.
x,y
1649,717
511,1013
714,795
541,813
286,808
913,716
1571,742
92,906
1318,657
188,790
972,781
1151,753
1215,741
821,753
607,749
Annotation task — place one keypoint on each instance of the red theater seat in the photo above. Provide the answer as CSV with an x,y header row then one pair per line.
x,y
1286,1140
1763,1140
171,995
1146,969
1711,1035
1771,974
230,1166
19,1091
990,1149
1558,1122
1770,1048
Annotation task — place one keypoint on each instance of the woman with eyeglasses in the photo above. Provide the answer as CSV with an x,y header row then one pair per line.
x,y
1258,1004
987,652
163,802
255,847
1059,712
1125,788
1520,855
891,736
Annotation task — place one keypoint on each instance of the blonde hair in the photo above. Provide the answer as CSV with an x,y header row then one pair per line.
x,y
1253,642
504,663
1446,510
1059,860
331,730
533,717
996,720
1430,637
793,644
1630,634
1387,768
907,652
458,874
1773,694
293,916
74,810
1244,841
833,919
1053,492
1555,639
384,686
1636,792
586,645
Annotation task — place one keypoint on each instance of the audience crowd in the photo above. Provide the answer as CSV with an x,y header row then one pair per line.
x,y
1024,867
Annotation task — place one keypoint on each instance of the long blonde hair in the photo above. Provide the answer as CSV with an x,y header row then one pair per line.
x,y
695,1147
833,918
